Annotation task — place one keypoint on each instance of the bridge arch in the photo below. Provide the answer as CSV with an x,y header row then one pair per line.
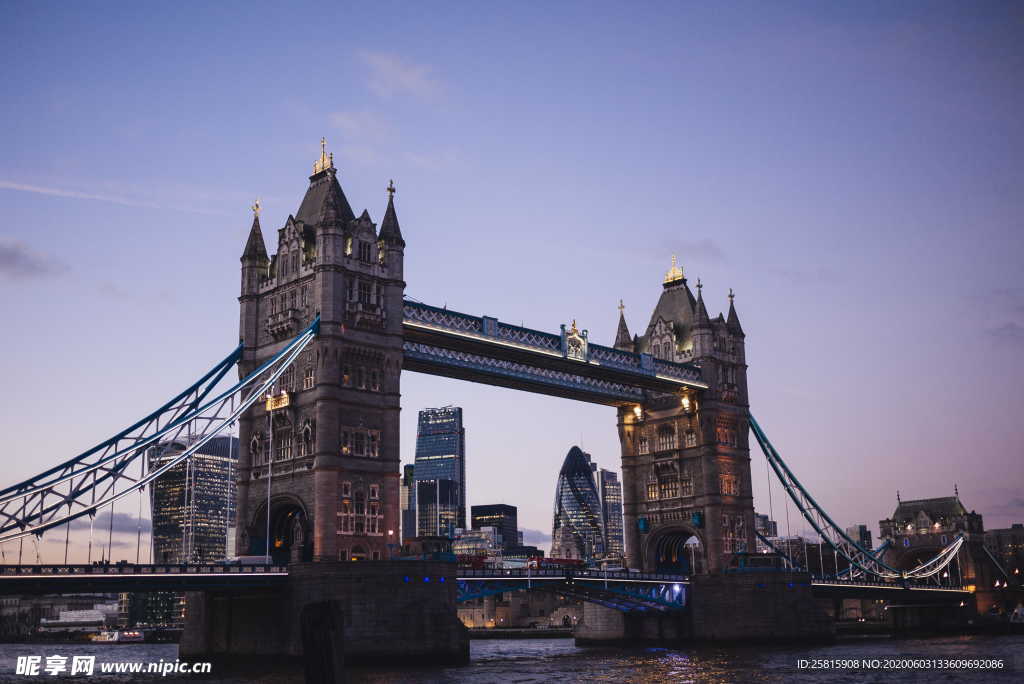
x,y
676,549
290,530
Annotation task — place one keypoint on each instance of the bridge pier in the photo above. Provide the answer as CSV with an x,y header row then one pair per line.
x,y
389,610
602,626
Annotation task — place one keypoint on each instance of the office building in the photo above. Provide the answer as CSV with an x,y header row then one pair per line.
x,y
578,524
860,534
500,516
440,472
609,490
407,501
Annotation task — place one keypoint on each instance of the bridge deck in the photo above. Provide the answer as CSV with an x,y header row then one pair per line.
x,y
484,349
64,579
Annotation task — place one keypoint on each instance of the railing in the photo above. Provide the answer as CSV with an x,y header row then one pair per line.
x,y
136,570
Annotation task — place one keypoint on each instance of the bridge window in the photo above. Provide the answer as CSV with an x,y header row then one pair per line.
x,y
361,377
376,555
284,445
374,519
343,554
686,487
375,380
346,375
346,489
374,445
668,489
307,378
295,262
726,435
364,293
359,443
642,446
729,484
374,491
364,251
348,246
652,491
666,438
690,438
305,296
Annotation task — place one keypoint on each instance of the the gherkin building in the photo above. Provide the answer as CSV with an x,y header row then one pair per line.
x,y
578,528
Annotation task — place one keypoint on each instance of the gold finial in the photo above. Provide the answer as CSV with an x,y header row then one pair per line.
x,y
573,329
622,307
326,161
675,273
256,207
699,285
391,190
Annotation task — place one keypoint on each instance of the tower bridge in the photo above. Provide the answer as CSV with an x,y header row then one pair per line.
x,y
326,332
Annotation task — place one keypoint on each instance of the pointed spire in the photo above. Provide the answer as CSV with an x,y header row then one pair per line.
x,y
733,323
702,320
674,275
622,337
389,230
365,216
255,248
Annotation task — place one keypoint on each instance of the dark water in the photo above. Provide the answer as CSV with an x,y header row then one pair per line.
x,y
558,660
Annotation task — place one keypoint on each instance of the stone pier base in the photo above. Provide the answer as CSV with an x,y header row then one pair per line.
x,y
736,607
758,606
392,611
607,626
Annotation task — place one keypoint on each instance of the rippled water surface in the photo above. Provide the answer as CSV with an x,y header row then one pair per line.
x,y
558,660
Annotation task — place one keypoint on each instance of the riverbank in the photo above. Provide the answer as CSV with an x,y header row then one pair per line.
x,y
520,633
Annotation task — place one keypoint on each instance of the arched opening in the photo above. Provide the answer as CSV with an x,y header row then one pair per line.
x,y
678,551
290,539
358,553
959,572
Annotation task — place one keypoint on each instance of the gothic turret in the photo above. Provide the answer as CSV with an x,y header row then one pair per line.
x,y
255,249
623,340
390,233
733,322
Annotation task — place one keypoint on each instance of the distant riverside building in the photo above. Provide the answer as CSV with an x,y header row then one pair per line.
x,y
1007,546
407,500
192,504
578,524
766,527
482,541
502,517
440,472
860,534
609,489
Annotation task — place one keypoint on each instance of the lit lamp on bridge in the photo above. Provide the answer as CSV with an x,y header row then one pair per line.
x,y
638,412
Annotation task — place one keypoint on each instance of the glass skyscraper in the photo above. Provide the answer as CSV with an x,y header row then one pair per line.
x,y
610,490
407,496
440,472
500,516
193,504
578,528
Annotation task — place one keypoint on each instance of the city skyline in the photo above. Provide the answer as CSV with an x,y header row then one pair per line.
x,y
869,232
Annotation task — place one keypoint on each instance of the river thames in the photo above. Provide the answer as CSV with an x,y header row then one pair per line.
x,y
559,660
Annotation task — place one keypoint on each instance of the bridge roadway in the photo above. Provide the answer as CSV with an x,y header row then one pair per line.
x,y
621,589
73,579
483,349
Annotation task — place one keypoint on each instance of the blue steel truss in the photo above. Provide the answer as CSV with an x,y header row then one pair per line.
x,y
117,468
862,559
622,591
484,349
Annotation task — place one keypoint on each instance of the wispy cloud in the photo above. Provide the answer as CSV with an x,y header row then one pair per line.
x,y
102,197
534,537
1008,333
691,251
17,261
390,74
123,522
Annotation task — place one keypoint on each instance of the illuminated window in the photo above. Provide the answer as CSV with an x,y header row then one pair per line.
x,y
728,484
691,438
668,489
686,487
666,438
307,378
346,375
348,246
652,491
642,446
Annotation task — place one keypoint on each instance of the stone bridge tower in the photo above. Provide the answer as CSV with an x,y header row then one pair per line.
x,y
686,460
330,456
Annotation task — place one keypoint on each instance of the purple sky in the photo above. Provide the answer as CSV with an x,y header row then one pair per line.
x,y
853,171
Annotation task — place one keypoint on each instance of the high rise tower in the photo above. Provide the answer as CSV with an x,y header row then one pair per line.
x,y
440,472
328,455
686,460
577,529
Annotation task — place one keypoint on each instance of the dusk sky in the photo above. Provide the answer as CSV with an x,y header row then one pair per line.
x,y
854,171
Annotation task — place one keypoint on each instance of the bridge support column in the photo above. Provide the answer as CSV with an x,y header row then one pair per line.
x,y
607,626
389,611
757,606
